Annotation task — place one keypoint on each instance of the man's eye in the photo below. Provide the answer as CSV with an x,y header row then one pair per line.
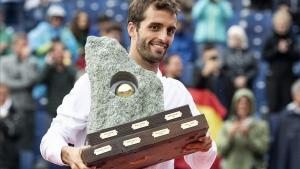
x,y
154,27
171,31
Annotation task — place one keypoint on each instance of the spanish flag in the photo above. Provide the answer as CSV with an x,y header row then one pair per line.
x,y
208,104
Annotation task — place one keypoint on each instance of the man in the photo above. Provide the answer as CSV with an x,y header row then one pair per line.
x,y
151,27
285,148
210,75
57,76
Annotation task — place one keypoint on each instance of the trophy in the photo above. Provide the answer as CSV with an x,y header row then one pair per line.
x,y
128,127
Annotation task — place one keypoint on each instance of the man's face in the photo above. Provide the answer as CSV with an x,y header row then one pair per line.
x,y
20,48
211,55
154,36
56,21
115,34
58,53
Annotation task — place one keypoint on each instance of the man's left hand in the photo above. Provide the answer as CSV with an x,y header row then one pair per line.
x,y
203,144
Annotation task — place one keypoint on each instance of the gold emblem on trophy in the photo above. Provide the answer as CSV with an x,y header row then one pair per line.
x,y
124,90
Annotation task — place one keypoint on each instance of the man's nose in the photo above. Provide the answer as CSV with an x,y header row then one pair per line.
x,y
164,36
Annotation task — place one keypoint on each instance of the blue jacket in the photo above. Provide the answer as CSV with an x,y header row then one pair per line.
x,y
210,19
41,37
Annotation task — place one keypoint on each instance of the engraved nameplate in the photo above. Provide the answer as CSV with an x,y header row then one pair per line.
x,y
132,141
174,115
140,125
102,150
161,132
189,124
109,134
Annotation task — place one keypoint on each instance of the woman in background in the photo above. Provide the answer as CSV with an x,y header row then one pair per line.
x,y
243,140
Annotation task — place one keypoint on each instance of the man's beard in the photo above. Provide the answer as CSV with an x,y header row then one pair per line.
x,y
144,50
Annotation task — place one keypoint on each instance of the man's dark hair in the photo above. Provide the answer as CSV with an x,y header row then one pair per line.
x,y
115,26
137,8
208,46
56,41
104,18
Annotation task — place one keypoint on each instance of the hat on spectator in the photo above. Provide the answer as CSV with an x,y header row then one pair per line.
x,y
56,10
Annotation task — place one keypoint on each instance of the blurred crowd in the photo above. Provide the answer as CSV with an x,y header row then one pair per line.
x,y
238,58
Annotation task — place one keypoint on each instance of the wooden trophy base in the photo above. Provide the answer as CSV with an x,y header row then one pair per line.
x,y
146,147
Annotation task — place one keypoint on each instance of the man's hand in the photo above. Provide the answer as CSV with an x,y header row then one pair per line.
x,y
240,81
72,157
283,46
202,144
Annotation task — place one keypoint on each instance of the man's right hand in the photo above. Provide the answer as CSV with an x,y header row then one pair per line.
x,y
72,157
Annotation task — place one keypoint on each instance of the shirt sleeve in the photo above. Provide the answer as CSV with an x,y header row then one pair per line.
x,y
203,160
69,126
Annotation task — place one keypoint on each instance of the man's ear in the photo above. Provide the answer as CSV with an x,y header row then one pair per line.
x,y
131,28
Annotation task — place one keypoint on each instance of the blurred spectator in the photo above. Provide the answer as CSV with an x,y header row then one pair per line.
x,y
211,17
173,67
292,6
58,77
210,75
37,11
19,72
239,61
5,37
80,28
261,5
13,13
183,43
103,22
40,38
184,46
10,126
280,54
285,149
114,30
186,10
243,140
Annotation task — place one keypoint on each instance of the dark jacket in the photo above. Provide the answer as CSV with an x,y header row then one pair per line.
x,y
285,149
219,84
280,64
10,133
59,83
240,62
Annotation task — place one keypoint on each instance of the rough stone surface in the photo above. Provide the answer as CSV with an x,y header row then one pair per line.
x,y
105,57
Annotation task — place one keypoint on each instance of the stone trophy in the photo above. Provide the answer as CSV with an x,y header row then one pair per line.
x,y
127,125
